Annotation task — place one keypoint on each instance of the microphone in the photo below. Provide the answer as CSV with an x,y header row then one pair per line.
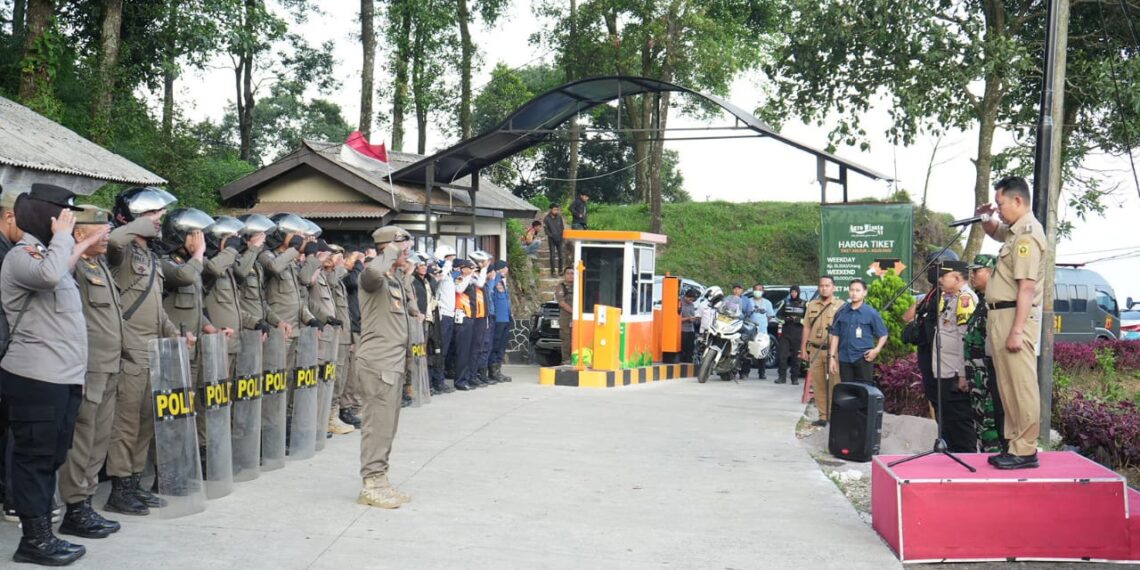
x,y
967,221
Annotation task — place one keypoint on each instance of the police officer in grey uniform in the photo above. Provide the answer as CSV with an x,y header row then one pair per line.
x,y
387,311
138,276
79,476
42,372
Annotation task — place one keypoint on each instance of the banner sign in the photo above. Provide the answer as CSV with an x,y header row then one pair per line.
x,y
865,240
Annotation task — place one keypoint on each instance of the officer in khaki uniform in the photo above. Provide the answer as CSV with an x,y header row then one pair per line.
x,y
138,277
282,295
185,299
1013,301
387,312
251,276
222,304
334,273
79,475
814,345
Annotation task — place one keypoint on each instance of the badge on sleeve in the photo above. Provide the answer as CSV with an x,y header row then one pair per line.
x,y
1023,249
32,251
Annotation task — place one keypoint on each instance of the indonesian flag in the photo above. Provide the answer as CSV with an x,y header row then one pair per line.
x,y
357,152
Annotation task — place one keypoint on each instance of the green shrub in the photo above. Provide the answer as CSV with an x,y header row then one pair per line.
x,y
880,292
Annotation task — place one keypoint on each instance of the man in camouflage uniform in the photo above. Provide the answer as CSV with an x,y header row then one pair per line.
x,y
984,397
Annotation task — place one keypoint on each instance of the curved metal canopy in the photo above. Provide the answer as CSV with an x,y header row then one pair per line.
x,y
532,124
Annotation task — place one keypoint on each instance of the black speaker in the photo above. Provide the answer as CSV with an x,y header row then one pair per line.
x,y
856,421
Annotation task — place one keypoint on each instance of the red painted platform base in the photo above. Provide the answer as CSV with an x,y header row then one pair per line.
x,y
1071,508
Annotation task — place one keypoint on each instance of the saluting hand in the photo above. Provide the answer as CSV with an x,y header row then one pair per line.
x,y
257,239
65,222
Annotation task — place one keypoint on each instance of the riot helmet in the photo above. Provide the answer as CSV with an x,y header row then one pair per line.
x,y
180,222
314,230
132,202
256,224
223,227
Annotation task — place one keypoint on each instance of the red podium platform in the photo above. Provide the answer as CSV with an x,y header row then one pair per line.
x,y
1071,508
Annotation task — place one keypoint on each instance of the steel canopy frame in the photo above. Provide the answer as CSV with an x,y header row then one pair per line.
x,y
535,122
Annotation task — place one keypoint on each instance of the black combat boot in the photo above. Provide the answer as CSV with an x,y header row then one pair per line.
x,y
81,520
349,417
499,373
486,376
122,499
148,498
40,546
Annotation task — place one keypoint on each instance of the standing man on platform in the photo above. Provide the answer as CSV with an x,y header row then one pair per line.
x,y
956,305
814,346
554,225
564,295
1013,299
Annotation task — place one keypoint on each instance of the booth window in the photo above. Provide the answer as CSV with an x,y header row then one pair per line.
x,y
604,277
641,294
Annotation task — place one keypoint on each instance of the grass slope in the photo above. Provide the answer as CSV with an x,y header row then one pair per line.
x,y
718,243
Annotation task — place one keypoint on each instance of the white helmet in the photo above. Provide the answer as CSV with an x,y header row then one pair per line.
x,y
444,251
479,256
713,295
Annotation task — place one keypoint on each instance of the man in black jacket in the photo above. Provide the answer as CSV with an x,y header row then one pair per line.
x,y
553,225
578,211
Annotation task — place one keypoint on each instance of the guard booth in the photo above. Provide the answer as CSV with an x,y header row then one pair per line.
x,y
617,332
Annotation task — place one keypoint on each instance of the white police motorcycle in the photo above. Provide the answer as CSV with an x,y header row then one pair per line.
x,y
727,339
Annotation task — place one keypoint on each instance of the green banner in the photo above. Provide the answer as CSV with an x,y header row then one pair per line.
x,y
865,240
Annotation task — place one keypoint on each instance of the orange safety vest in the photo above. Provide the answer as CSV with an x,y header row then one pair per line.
x,y
480,304
463,303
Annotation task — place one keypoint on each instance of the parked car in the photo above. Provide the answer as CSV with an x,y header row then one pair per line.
x,y
544,339
686,285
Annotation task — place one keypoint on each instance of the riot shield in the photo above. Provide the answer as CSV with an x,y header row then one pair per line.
x,y
179,468
302,426
326,378
273,401
214,397
247,386
418,366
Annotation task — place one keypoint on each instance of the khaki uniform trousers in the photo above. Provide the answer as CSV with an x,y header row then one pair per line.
x,y
79,475
821,384
1017,380
381,393
350,397
566,336
133,427
341,374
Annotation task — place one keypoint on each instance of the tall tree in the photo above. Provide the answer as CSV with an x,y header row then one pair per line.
x,y
398,32
431,40
941,66
110,32
368,43
489,11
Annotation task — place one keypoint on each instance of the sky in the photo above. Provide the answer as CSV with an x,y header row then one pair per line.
x,y
736,170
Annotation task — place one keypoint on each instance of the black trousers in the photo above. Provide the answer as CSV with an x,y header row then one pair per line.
x,y
788,354
555,252
957,417
41,421
858,371
464,356
688,342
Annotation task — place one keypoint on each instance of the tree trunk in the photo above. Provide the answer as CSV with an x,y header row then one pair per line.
x,y
657,150
168,78
466,54
35,77
420,85
244,79
368,42
987,123
108,62
575,144
400,93
18,12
